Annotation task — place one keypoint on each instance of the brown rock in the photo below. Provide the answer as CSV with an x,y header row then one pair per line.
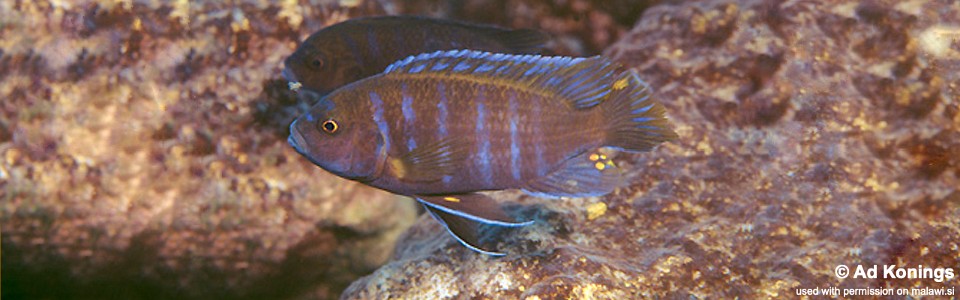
x,y
812,135
143,154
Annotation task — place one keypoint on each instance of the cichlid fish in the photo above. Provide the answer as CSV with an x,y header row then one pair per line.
x,y
441,126
360,48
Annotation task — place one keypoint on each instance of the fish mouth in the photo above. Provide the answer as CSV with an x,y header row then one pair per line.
x,y
295,139
298,142
288,75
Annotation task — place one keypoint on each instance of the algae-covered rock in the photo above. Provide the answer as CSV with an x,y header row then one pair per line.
x,y
143,154
813,134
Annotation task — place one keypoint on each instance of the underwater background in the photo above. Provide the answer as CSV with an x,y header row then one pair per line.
x,y
143,155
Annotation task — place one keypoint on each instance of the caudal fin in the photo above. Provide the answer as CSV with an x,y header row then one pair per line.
x,y
636,121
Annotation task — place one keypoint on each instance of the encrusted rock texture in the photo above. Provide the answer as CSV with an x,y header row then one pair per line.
x,y
143,148
143,155
812,134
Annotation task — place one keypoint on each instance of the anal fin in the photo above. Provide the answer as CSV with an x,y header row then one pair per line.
x,y
473,206
586,175
465,231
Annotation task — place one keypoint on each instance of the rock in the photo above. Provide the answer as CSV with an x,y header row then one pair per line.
x,y
143,154
812,135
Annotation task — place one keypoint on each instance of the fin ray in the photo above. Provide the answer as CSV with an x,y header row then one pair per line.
x,y
586,175
473,206
636,121
582,82
463,230
431,162
522,40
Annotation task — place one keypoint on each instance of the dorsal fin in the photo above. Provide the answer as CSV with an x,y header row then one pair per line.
x,y
521,40
584,82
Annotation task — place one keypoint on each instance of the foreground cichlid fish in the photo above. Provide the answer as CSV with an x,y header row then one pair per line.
x,y
360,48
441,126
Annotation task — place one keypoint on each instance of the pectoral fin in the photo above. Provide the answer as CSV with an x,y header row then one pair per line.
x,y
465,231
430,162
472,206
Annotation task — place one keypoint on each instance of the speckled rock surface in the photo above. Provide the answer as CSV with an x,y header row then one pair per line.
x,y
143,154
812,134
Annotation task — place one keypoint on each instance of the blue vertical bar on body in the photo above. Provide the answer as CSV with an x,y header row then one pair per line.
x,y
483,138
442,120
409,117
514,137
537,139
377,104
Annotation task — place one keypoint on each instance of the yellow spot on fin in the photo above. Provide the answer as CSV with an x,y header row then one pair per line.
x,y
600,166
451,199
602,161
596,210
429,162
587,175
432,161
620,84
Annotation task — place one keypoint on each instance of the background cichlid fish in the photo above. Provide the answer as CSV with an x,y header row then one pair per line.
x,y
360,48
440,126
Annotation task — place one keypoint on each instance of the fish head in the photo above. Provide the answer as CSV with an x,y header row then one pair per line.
x,y
322,64
340,139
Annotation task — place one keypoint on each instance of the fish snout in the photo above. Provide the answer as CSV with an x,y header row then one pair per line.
x,y
291,79
295,139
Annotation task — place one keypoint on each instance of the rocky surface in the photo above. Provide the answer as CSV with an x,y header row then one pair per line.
x,y
812,134
143,153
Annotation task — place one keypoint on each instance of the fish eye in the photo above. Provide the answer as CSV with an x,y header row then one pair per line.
x,y
316,63
329,126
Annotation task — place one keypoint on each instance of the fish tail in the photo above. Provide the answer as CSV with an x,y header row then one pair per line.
x,y
635,121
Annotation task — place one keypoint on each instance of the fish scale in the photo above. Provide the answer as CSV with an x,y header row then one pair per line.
x,y
442,126
496,125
